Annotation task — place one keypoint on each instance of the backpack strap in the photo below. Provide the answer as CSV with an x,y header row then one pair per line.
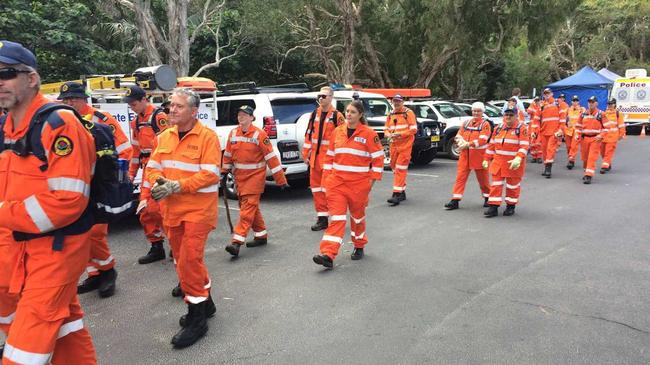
x,y
3,120
153,122
45,114
310,126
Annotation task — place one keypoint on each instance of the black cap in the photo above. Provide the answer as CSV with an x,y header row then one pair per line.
x,y
247,109
593,99
611,101
134,93
562,96
510,110
547,90
72,89
536,98
12,53
575,98
513,98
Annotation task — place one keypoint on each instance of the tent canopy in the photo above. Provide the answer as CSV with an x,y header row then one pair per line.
x,y
609,74
584,83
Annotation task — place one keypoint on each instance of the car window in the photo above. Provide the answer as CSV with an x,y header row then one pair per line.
x,y
227,110
376,107
424,111
287,111
465,109
448,110
492,112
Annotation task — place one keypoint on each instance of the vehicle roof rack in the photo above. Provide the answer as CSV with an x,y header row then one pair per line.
x,y
250,87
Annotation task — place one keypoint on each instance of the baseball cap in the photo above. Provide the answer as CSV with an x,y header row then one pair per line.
x,y
593,99
247,109
398,97
510,111
134,93
13,53
547,90
575,98
72,89
611,101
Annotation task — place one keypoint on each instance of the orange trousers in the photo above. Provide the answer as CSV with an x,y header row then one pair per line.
x,y
339,199
39,307
100,255
188,244
535,147
590,151
607,152
399,163
549,148
318,190
462,174
513,189
151,221
573,147
249,216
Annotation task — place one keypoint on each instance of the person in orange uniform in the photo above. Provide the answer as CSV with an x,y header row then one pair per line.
x,y
572,146
562,105
590,131
512,104
40,260
507,153
147,124
355,160
472,140
533,127
248,152
400,129
318,136
101,267
184,170
615,126
549,125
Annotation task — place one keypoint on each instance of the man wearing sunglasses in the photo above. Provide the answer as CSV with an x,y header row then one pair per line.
x,y
321,126
39,307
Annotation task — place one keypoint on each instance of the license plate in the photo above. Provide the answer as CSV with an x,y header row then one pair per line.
x,y
290,155
435,138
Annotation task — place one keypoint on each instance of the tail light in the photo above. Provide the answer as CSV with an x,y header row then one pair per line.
x,y
270,128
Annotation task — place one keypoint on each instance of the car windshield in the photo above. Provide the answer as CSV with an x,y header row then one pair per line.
x,y
492,112
376,107
287,111
449,110
466,109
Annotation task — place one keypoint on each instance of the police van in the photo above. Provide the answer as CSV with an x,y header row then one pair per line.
x,y
632,95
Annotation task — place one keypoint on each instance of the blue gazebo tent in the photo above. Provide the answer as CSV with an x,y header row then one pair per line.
x,y
609,74
584,83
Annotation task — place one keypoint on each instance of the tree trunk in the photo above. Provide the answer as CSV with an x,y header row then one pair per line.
x,y
179,57
348,14
430,67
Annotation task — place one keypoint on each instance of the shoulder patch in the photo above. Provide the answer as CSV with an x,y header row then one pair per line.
x,y
163,122
376,139
112,128
267,140
62,146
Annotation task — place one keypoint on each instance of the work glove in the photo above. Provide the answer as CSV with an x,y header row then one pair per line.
x,y
485,164
164,188
577,138
533,135
515,163
558,134
141,206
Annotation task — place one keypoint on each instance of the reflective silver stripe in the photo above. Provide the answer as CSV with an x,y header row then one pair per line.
x,y
146,150
91,269
322,214
506,153
522,150
483,137
513,186
154,165
590,170
26,358
398,188
227,154
523,143
317,190
179,165
511,200
260,234
135,160
400,126
327,166
8,319
358,236
323,143
245,139
116,210
208,285
457,196
550,119
333,239
238,238
377,154
195,300
330,153
358,220
402,167
135,142
254,166
352,151
226,166
210,167
256,134
349,168
377,169
209,189
69,184
494,199
122,147
508,140
68,328
413,127
276,169
306,146
37,214
497,183
146,184
339,217
591,131
269,155
489,152
104,262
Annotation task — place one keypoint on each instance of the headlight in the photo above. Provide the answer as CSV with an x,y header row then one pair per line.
x,y
427,131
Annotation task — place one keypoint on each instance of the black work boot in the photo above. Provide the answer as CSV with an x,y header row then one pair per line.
x,y
453,204
156,253
586,180
485,203
177,291
196,326
357,254
2,350
321,224
492,211
233,249
603,170
402,196
256,242
171,255
91,283
570,165
547,170
107,283
323,260
394,200
510,210
210,310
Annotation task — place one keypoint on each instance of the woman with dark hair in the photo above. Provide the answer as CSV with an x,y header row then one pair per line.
x,y
354,161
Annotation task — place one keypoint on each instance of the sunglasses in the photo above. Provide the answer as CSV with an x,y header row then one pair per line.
x,y
322,96
11,73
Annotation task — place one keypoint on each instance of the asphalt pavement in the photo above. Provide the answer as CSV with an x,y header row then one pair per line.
x,y
566,280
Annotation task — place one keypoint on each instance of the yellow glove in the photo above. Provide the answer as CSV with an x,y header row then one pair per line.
x,y
515,163
485,164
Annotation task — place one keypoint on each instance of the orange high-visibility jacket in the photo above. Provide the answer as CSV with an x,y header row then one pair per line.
x,y
476,131
506,144
36,201
194,162
573,114
404,123
564,108
122,144
248,154
549,118
591,124
615,126
310,150
143,135
533,112
354,159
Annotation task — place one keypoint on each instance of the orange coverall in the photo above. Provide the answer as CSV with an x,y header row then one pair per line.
x,y
615,130
249,153
351,165
550,119
506,144
572,146
589,126
535,143
191,214
404,123
476,132
39,308
319,133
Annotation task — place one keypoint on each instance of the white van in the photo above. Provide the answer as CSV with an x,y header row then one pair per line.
x,y
633,100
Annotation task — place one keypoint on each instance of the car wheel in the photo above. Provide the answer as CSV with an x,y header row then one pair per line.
x,y
452,149
425,157
231,188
